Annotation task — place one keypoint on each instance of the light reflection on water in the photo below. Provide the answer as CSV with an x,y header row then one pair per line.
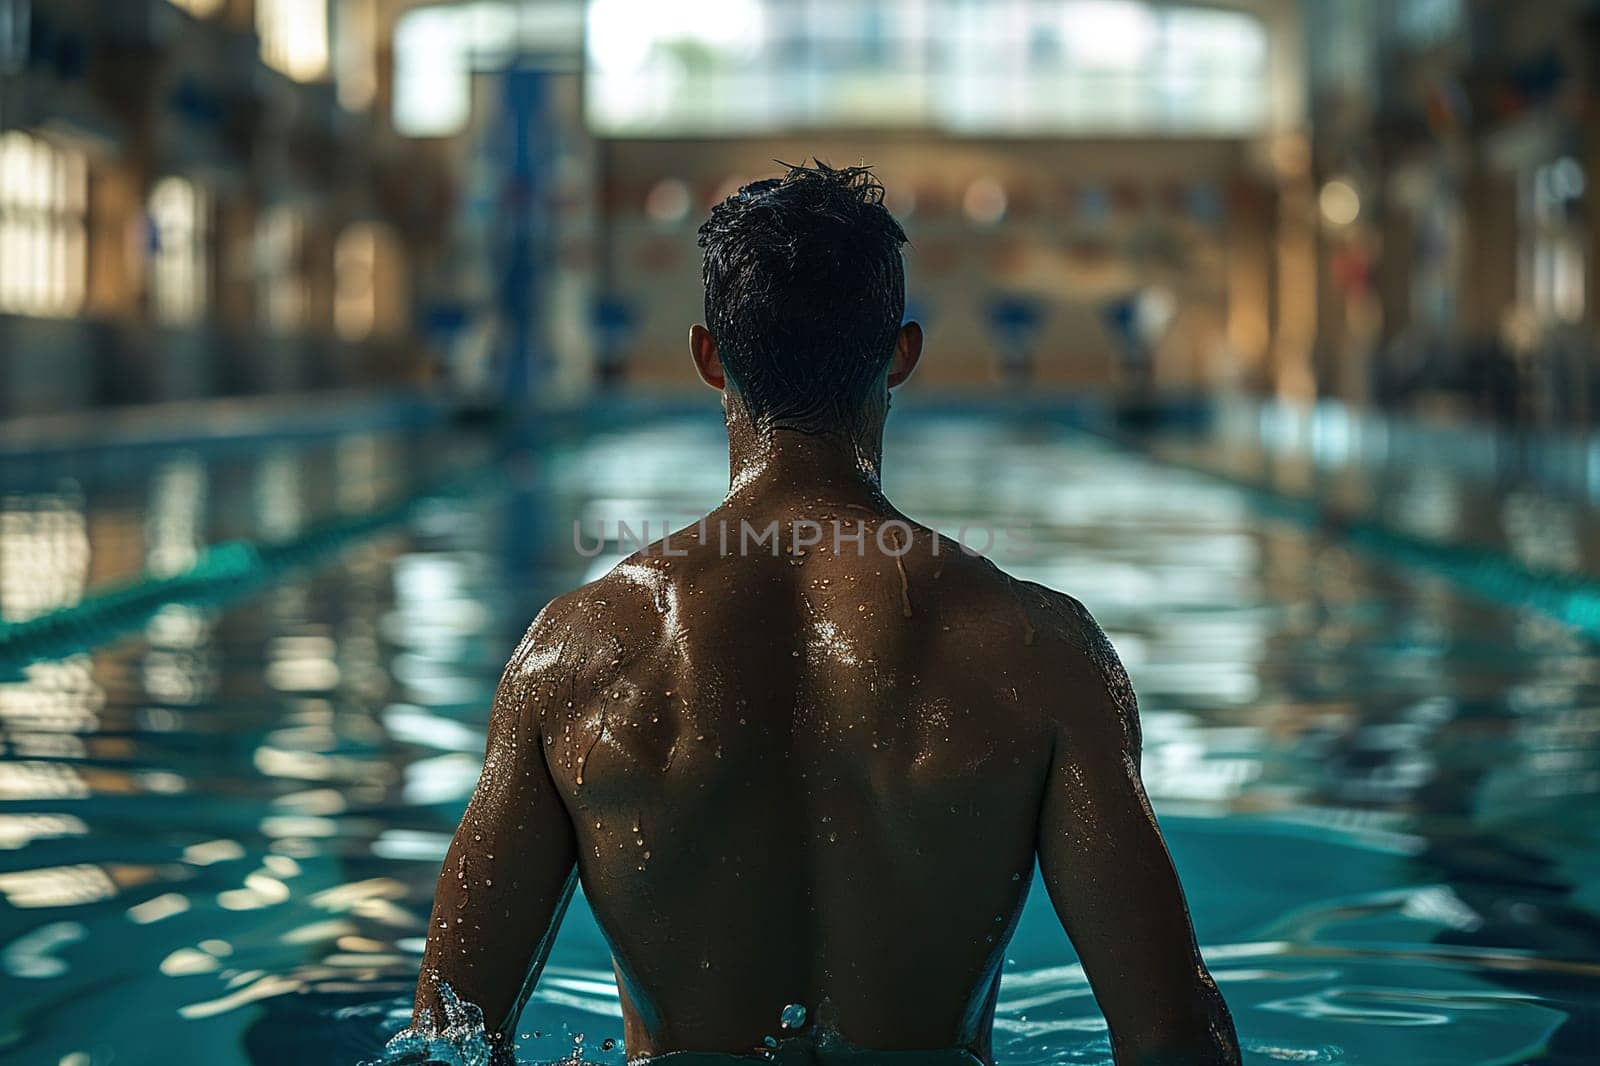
x,y
218,841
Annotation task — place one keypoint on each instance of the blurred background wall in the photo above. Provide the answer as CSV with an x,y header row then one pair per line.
x,y
1384,202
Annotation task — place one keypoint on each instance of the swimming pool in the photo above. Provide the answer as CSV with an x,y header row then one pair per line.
x,y
218,838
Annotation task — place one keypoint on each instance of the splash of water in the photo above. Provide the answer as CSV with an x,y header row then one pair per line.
x,y
462,1042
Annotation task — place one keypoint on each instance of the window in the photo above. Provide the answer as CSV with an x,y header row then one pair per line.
x,y
367,288
432,81
356,53
281,286
437,48
294,36
1040,67
355,291
1553,270
180,252
44,197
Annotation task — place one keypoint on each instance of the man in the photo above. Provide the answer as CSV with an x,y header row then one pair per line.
x,y
805,755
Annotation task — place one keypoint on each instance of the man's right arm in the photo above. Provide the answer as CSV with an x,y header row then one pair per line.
x,y
511,866
1113,884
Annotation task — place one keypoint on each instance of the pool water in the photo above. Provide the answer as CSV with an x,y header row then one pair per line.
x,y
219,836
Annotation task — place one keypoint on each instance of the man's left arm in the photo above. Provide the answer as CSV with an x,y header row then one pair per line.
x,y
509,872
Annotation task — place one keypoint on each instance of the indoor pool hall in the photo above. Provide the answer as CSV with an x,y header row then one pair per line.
x,y
340,337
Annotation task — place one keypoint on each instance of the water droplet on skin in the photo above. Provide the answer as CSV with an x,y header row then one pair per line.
x,y
793,1016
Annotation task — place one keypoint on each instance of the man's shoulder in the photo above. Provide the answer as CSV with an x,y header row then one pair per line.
x,y
1048,611
575,626
1086,656
1064,614
1050,634
635,593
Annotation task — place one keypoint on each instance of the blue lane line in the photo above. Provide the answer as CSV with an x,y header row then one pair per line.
x,y
228,571
209,428
1569,597
1572,598
224,572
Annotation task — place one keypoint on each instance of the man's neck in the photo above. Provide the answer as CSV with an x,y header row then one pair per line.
x,y
839,467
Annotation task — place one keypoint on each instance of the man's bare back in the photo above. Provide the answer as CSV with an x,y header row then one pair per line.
x,y
821,779
806,790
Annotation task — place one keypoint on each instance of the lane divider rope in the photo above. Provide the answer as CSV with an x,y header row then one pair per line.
x,y
1569,597
223,573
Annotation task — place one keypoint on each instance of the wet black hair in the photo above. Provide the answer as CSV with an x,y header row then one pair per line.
x,y
805,292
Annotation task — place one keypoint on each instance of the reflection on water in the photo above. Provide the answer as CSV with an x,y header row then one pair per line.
x,y
44,552
218,841
102,517
1531,495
